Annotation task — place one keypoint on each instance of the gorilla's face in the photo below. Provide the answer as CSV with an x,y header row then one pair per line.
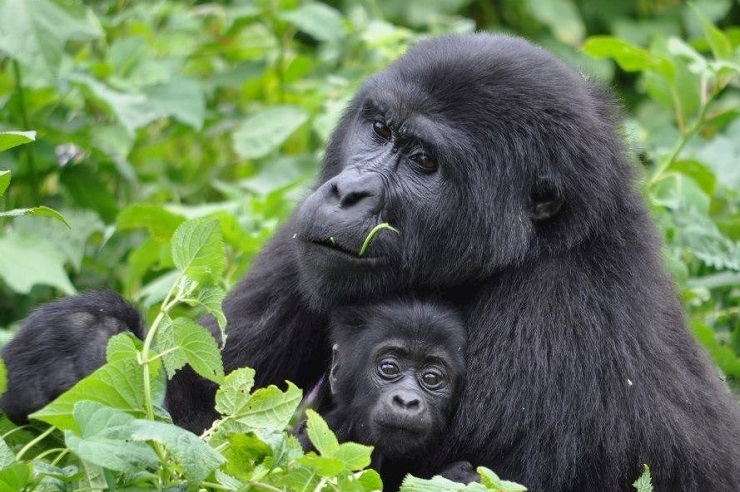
x,y
459,147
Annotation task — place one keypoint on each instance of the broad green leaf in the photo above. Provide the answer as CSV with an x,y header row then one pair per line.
x,y
40,211
354,456
199,348
123,346
233,395
435,484
370,480
97,420
4,181
133,111
35,32
722,354
264,131
644,483
721,48
696,63
114,454
16,477
197,458
316,19
630,58
324,466
27,261
211,297
701,174
198,250
160,223
181,98
270,408
320,434
243,452
302,478
8,140
118,384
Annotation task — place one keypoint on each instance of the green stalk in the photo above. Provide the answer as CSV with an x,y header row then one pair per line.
x,y
372,233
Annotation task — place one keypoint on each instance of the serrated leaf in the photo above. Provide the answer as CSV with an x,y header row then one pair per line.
x,y
233,395
118,384
435,484
212,297
160,223
114,454
34,32
8,140
370,480
181,98
197,458
97,420
199,348
122,346
270,408
198,250
302,478
40,211
317,20
492,481
644,483
264,131
322,465
173,358
354,456
321,435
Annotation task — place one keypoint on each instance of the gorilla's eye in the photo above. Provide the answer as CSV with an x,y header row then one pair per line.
x,y
382,130
388,369
432,379
426,162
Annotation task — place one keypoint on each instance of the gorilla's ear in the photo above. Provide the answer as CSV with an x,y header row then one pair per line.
x,y
333,370
545,200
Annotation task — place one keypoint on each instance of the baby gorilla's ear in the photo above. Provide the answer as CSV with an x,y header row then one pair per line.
x,y
333,370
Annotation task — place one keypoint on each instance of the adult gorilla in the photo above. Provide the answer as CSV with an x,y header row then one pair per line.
x,y
503,172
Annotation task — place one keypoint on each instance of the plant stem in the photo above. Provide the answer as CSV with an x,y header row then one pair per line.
x,y
34,442
372,233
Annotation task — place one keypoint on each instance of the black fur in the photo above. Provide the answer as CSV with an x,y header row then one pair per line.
x,y
417,337
580,365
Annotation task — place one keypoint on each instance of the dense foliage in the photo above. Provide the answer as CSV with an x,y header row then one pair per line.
x,y
150,114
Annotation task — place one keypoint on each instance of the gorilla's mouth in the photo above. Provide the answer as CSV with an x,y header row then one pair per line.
x,y
333,245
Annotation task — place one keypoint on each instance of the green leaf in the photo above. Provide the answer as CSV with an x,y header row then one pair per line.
x,y
3,377
16,477
181,98
199,348
27,261
435,484
316,19
211,297
196,457
701,174
4,181
561,16
324,466
105,439
493,482
720,44
370,480
35,32
198,250
354,456
40,211
722,355
270,408
160,223
123,346
233,395
8,140
118,384
173,358
264,131
7,457
630,58
644,484
320,434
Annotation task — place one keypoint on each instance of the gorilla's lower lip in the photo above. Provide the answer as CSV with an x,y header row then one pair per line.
x,y
336,248
392,427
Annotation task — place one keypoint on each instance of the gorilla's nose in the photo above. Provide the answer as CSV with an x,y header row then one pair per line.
x,y
353,188
407,402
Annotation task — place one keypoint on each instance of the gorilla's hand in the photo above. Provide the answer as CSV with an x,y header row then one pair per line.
x,y
461,471
59,344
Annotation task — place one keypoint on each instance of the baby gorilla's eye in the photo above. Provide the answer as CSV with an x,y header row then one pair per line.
x,y
432,379
382,130
388,369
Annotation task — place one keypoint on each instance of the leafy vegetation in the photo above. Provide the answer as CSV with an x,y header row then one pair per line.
x,y
173,137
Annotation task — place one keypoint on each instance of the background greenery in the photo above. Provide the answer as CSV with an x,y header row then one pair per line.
x,y
151,113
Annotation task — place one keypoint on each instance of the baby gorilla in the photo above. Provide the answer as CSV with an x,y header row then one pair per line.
x,y
397,371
